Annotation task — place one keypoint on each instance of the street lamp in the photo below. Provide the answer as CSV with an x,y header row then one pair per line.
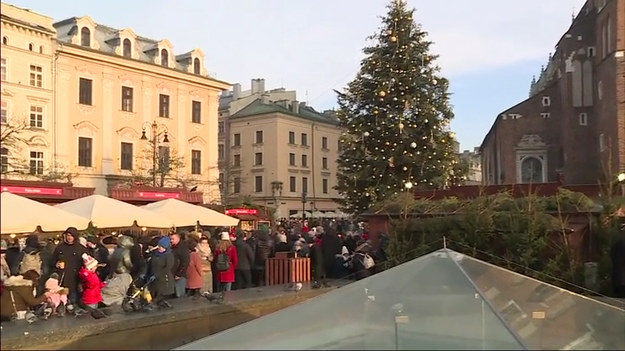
x,y
408,185
154,137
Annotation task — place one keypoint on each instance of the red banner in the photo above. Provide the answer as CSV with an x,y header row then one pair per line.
x,y
32,190
240,211
153,195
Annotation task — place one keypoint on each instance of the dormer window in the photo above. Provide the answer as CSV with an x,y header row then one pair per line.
x,y
196,65
85,37
164,58
127,48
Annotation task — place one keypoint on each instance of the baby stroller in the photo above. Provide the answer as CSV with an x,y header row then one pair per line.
x,y
138,297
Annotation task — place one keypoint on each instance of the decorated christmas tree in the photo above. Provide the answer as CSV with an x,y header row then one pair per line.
x,y
395,116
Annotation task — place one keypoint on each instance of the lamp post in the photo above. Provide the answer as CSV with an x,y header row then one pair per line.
x,y
154,137
276,191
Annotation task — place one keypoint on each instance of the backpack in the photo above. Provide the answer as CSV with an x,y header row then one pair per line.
x,y
223,262
30,261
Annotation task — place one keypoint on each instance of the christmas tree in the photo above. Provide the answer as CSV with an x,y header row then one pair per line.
x,y
395,116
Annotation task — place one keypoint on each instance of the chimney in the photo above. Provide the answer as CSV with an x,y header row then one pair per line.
x,y
258,86
295,106
264,98
236,91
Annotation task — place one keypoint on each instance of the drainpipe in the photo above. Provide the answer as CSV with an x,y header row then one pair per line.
x,y
312,165
55,74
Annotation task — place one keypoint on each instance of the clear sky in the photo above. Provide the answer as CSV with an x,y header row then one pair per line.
x,y
488,49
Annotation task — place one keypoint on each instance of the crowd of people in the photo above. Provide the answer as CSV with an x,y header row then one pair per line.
x,y
95,273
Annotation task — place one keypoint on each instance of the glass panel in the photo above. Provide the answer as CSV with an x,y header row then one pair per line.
x,y
544,316
427,303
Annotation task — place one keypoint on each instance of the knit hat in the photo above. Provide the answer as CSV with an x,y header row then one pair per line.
x,y
90,262
165,242
224,236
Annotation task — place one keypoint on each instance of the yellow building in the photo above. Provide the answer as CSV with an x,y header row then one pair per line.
x,y
279,151
27,92
105,107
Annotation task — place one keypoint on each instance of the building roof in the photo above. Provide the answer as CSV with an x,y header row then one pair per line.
x,y
107,40
257,107
444,300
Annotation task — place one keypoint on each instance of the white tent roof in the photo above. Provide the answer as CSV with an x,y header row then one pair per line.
x,y
299,214
105,212
182,213
23,215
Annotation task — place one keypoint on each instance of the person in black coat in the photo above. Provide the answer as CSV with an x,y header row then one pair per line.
x,y
330,246
262,251
182,259
13,257
67,258
100,252
161,267
243,272
316,262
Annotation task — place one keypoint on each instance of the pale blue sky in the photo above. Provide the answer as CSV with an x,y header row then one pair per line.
x,y
489,49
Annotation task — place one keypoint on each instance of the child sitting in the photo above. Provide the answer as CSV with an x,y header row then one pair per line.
x,y
58,294
91,284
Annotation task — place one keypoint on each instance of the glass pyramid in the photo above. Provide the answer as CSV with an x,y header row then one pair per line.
x,y
443,300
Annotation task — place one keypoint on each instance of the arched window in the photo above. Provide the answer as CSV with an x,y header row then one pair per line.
x,y
196,65
126,48
85,37
164,58
531,170
5,40
41,49
30,47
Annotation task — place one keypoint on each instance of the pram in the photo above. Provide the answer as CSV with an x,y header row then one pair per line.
x,y
138,297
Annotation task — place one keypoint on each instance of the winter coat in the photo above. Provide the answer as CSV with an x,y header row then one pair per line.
x,y
195,276
22,295
282,247
245,255
71,255
228,276
91,286
30,257
181,259
115,290
13,256
162,267
6,271
101,254
206,254
262,251
139,264
56,298
121,260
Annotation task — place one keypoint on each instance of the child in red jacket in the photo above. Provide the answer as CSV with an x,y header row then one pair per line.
x,y
91,284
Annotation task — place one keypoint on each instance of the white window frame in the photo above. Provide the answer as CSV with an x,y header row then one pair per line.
x,y
546,101
5,158
591,51
545,115
121,90
221,152
38,115
199,171
602,144
4,66
38,76
41,159
583,119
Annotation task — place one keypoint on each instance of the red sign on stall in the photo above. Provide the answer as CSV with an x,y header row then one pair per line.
x,y
32,190
154,195
241,211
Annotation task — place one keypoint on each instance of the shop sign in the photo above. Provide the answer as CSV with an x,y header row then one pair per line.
x,y
32,190
242,211
155,195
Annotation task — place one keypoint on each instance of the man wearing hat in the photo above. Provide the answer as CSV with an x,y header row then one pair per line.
x,y
67,258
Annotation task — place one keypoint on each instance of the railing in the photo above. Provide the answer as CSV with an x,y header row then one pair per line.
x,y
286,268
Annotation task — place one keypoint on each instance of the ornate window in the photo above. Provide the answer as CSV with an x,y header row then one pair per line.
x,y
85,37
164,58
531,170
196,65
127,48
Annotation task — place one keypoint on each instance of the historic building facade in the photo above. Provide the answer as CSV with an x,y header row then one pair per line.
x,y
27,115
282,154
572,127
119,110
